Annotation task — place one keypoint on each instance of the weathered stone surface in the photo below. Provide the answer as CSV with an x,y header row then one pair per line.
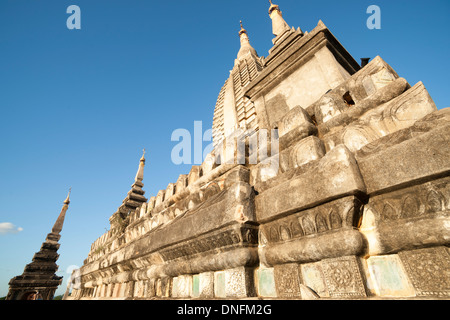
x,y
182,286
265,170
313,278
418,158
389,277
408,218
287,280
307,150
429,270
335,175
266,282
339,214
310,249
239,283
206,285
294,118
343,277
219,284
307,293
388,118
366,91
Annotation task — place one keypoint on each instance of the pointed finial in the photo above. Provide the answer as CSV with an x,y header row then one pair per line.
x,y
140,173
67,201
273,7
242,29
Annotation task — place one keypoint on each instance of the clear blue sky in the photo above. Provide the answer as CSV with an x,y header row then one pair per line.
x,y
78,106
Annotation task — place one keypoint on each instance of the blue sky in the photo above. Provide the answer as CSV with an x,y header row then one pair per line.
x,y
78,106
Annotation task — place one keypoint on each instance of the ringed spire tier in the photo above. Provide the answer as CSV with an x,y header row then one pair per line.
x,y
279,25
134,199
232,109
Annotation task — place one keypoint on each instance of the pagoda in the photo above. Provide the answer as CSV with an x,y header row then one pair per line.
x,y
39,280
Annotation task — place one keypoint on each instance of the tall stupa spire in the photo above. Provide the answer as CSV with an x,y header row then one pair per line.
x,y
231,100
246,47
140,173
57,228
39,279
134,199
279,26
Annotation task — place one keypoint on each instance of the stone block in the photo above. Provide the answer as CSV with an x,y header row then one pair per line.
x,y
364,122
182,286
408,218
261,145
440,118
314,248
181,183
219,284
378,80
327,108
415,159
266,282
343,277
239,283
116,290
294,118
338,105
151,204
388,277
160,198
314,279
307,150
195,293
170,191
209,163
388,118
429,270
206,285
129,289
334,175
150,292
194,174
342,213
138,289
296,134
287,280
166,287
265,170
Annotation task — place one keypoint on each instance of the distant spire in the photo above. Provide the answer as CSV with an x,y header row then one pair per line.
x,y
60,221
67,201
273,7
140,174
242,29
279,26
245,44
40,275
